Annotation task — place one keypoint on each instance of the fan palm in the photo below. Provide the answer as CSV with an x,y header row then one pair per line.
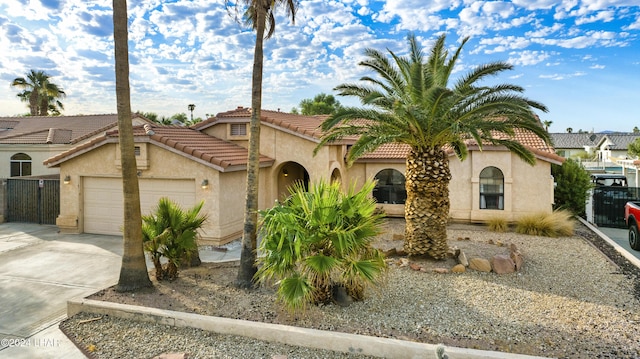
x,y
260,16
413,100
320,239
40,93
171,232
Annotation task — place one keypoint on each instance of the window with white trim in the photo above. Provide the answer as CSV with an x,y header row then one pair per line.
x,y
20,165
491,188
238,129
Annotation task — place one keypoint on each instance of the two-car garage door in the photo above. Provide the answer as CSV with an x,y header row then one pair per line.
x,y
103,203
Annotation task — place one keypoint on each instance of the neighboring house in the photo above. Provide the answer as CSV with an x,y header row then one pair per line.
x,y
575,145
614,146
208,162
25,142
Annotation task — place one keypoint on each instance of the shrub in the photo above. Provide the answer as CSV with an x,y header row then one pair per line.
x,y
572,187
497,224
318,241
171,232
559,223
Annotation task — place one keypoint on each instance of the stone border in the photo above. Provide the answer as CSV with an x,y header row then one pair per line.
x,y
310,338
630,257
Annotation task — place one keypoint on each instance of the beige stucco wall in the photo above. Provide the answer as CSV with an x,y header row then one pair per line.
x,y
223,224
527,189
38,154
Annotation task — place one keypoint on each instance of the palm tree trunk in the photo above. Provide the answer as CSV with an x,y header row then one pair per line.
x,y
427,205
133,272
249,236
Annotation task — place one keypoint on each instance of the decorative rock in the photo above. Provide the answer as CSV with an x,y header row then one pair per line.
x,y
517,258
398,237
415,266
502,264
340,296
458,268
441,270
462,259
403,262
480,265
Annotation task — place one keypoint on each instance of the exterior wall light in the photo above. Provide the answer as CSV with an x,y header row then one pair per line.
x,y
205,184
67,179
285,172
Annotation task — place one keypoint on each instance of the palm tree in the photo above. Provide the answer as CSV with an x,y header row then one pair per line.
x,y
546,124
171,232
40,93
133,272
260,15
412,101
321,239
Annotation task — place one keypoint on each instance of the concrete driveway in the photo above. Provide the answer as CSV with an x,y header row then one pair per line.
x,y
39,271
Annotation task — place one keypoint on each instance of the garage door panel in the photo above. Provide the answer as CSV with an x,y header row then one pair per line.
x,y
103,202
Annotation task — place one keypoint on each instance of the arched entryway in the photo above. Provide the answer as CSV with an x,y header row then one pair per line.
x,y
290,173
336,176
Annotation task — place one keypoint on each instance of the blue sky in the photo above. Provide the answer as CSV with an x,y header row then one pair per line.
x,y
581,58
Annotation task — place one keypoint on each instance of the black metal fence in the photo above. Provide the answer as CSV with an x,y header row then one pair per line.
x,y
33,200
608,204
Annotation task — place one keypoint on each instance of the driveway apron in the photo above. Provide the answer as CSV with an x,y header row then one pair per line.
x,y
40,270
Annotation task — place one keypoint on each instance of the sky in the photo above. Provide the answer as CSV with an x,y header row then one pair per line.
x,y
580,58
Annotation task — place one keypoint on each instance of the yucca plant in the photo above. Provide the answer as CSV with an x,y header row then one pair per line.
x,y
171,232
318,240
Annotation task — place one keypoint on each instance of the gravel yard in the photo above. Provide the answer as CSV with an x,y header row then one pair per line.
x,y
569,301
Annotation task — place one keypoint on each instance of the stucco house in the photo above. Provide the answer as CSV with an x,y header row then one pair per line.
x,y
25,142
576,145
208,162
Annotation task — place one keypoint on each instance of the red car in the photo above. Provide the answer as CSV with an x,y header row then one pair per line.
x,y
631,216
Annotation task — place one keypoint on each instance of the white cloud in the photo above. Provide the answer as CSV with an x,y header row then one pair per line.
x,y
597,67
527,58
604,16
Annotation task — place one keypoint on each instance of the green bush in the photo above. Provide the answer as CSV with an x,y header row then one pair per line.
x,y
572,187
171,232
318,241
556,224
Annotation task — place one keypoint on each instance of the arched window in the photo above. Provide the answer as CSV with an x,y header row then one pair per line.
x,y
20,165
390,187
491,188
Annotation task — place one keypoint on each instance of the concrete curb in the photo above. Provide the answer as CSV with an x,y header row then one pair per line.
x,y
310,338
630,257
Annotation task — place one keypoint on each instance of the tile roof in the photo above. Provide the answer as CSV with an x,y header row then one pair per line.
x,y
301,125
220,154
54,129
575,140
397,151
619,141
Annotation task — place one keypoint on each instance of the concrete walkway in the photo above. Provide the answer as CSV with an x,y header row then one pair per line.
x,y
40,270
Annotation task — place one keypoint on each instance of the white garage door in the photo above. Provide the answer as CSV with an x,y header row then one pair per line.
x,y
103,203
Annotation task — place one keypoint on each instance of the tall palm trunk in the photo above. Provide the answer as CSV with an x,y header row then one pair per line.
x,y
249,236
133,272
427,205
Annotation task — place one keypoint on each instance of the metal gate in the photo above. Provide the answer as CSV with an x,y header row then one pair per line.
x,y
33,200
608,204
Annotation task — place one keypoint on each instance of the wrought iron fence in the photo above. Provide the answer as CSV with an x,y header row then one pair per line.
x,y
608,204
